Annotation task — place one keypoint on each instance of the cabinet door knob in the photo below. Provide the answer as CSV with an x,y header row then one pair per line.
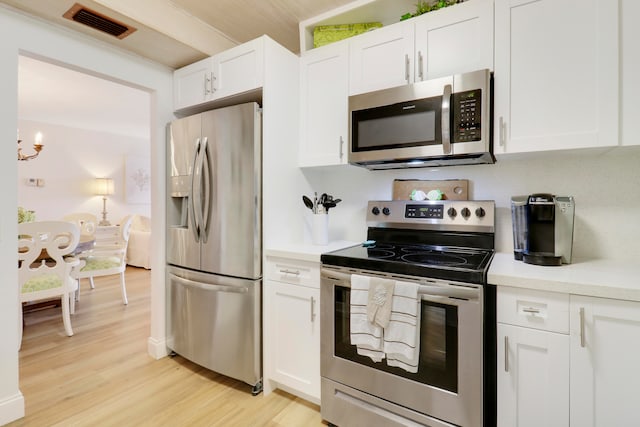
x,y
420,65
341,144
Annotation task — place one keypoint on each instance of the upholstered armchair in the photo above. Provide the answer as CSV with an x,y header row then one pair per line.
x,y
139,249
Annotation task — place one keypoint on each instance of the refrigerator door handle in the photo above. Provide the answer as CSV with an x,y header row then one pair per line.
x,y
196,189
207,177
194,221
209,287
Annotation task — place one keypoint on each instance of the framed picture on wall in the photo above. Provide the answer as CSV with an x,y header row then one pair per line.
x,y
138,179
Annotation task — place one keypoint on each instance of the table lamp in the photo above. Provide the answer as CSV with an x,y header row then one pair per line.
x,y
104,187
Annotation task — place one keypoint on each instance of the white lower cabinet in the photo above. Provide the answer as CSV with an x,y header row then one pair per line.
x,y
533,377
583,376
292,328
605,356
533,358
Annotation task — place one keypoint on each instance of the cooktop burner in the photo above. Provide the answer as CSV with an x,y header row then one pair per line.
x,y
463,264
446,239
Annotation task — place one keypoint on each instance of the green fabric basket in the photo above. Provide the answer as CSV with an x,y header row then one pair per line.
x,y
325,34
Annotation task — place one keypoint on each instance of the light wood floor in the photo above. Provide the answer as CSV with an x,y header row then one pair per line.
x,y
103,376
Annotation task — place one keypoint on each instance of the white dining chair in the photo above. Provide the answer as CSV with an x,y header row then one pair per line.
x,y
44,265
107,260
86,221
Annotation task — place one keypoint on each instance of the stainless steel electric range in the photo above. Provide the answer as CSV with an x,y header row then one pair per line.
x,y
445,248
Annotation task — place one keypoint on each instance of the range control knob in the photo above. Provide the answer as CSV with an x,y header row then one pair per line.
x,y
465,212
480,212
452,212
386,211
375,210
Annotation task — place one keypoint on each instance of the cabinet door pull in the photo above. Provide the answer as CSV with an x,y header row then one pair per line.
x,y
506,353
420,65
582,327
406,68
341,144
501,129
531,310
213,79
207,82
287,271
313,311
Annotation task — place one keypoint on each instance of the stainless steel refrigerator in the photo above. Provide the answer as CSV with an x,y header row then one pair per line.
x,y
214,244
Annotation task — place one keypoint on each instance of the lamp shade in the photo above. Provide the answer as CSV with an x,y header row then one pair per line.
x,y
103,186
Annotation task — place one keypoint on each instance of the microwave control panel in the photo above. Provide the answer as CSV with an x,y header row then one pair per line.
x,y
467,115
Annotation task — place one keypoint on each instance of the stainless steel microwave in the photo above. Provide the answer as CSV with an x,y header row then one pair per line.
x,y
439,122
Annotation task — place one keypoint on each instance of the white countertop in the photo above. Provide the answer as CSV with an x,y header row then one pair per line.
x,y
598,278
307,252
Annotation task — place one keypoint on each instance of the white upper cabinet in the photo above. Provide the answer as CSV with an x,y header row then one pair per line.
x,y
454,40
238,69
381,58
324,83
234,71
556,74
448,41
630,63
192,84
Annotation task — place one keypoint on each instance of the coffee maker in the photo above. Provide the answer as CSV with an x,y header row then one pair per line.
x,y
543,228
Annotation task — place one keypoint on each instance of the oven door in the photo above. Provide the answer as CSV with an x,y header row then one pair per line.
x,y
448,385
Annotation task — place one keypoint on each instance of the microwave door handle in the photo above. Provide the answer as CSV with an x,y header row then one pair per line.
x,y
446,120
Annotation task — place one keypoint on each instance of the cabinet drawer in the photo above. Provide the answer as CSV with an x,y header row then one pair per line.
x,y
293,271
547,311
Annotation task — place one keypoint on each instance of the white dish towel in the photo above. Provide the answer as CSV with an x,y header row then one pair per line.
x,y
402,335
366,336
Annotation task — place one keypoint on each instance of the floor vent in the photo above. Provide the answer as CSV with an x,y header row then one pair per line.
x,y
98,21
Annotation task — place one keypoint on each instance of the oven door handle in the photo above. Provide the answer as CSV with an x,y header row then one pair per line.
x,y
434,292
425,291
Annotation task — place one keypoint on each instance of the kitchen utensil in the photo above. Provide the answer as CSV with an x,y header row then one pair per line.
x,y
307,202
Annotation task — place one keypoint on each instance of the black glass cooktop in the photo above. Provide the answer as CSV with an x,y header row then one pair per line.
x,y
438,262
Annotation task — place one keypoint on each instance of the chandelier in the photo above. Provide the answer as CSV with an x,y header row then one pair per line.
x,y
37,146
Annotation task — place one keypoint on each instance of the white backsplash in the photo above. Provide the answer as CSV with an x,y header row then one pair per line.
x,y
604,183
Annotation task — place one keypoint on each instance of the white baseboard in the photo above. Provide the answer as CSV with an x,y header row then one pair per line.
x,y
157,348
11,408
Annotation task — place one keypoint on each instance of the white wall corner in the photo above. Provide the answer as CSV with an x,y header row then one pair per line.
x,y
11,408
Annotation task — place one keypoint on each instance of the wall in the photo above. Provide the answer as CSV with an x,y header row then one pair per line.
x,y
69,162
605,184
24,35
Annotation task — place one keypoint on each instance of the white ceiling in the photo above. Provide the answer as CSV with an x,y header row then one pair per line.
x,y
170,32
52,94
179,32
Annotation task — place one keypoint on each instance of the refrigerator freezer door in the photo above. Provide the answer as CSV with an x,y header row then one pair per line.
x,y
232,242
214,321
184,138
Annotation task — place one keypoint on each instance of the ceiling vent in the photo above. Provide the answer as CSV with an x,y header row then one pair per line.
x,y
98,21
